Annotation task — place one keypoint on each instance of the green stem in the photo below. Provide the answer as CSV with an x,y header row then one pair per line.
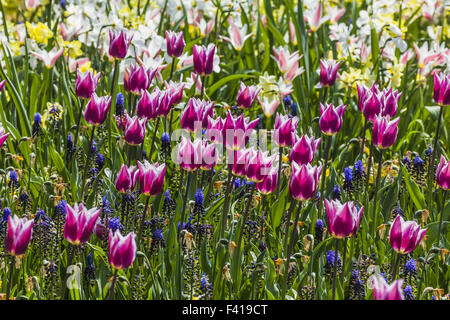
x,y
433,157
11,272
141,227
113,99
377,185
441,217
280,162
152,147
324,173
183,212
83,184
113,285
286,238
335,268
397,262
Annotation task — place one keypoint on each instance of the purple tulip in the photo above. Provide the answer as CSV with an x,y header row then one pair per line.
x,y
441,89
214,130
151,177
304,149
118,44
405,236
384,291
174,43
269,183
203,58
138,78
2,84
369,102
190,154
384,131
3,136
18,235
328,72
97,109
126,179
195,114
122,250
342,219
176,90
135,130
258,165
237,131
304,181
100,230
389,102
330,121
285,130
240,161
247,95
86,84
79,223
148,104
443,174
209,156
165,104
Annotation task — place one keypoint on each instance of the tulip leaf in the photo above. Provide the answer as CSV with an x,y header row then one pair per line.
x,y
414,192
225,80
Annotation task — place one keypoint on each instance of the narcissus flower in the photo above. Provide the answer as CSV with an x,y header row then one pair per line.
x,y
174,43
304,150
342,219
405,236
304,181
330,121
118,44
122,250
383,291
151,177
18,235
126,179
203,58
442,173
97,109
384,131
328,72
441,89
79,223
86,84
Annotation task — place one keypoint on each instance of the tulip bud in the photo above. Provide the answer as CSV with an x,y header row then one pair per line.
x,y
342,219
18,235
174,43
405,236
247,95
389,102
3,136
126,179
269,183
328,72
147,106
304,181
258,165
383,291
203,58
190,154
369,102
97,109
118,44
2,84
122,250
384,131
285,130
135,130
443,174
86,84
151,178
441,89
209,156
138,78
304,150
79,223
330,121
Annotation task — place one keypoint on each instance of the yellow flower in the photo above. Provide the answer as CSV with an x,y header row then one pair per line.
x,y
72,49
39,33
86,67
15,48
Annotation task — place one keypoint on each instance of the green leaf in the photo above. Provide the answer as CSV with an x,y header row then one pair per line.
x,y
414,192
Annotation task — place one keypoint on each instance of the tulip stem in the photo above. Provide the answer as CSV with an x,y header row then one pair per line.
x,y
78,124
171,68
431,170
363,143
280,162
263,203
226,200
188,182
113,285
152,147
377,184
141,227
113,99
335,268
11,272
397,262
203,87
86,166
369,167
211,175
70,255
344,258
286,236
324,173
441,218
